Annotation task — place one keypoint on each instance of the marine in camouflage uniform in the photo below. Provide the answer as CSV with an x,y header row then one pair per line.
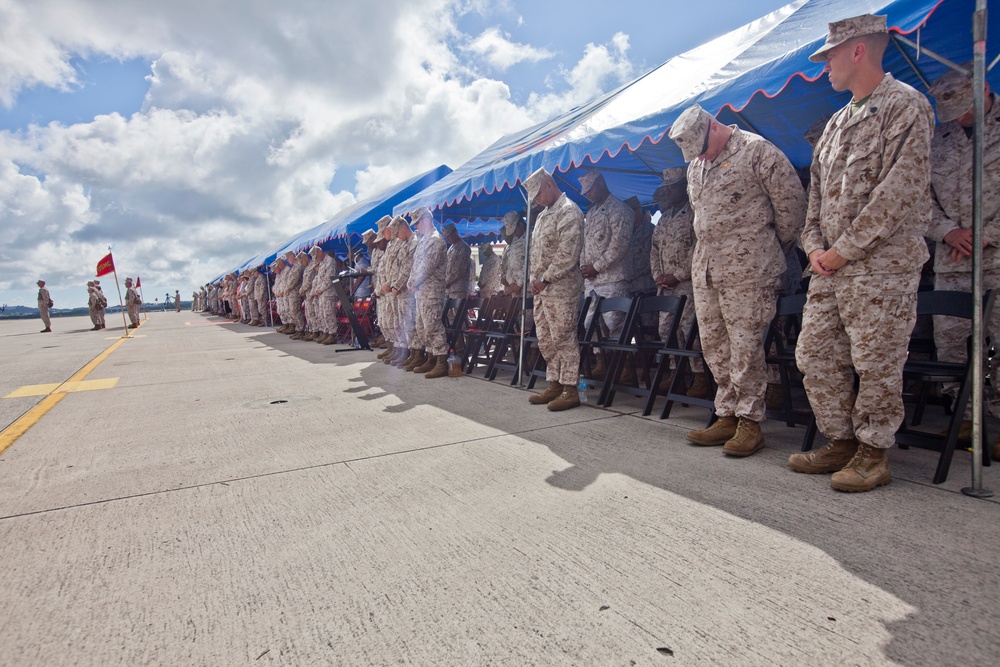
x,y
670,254
260,295
556,282
951,217
404,299
427,283
459,264
388,302
748,210
607,230
512,260
489,272
869,206
44,303
324,296
637,269
292,287
131,304
309,299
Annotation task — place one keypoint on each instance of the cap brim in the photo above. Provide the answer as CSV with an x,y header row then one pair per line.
x,y
819,55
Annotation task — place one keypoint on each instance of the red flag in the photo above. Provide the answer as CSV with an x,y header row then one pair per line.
x,y
105,266
138,282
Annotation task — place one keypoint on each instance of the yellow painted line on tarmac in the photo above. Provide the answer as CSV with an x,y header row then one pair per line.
x,y
68,387
22,424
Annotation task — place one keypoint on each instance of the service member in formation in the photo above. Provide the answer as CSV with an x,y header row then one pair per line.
x,y
325,297
308,299
869,206
297,266
388,303
556,282
93,302
131,304
459,264
260,295
489,272
637,270
398,278
177,300
607,230
951,217
671,249
749,207
44,303
512,261
430,261
102,303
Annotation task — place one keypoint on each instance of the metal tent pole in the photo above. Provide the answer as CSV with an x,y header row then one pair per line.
x,y
978,79
524,286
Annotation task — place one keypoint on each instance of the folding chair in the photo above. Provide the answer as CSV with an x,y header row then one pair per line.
x,y
674,391
509,344
538,368
779,347
494,308
636,345
595,339
954,304
453,317
503,312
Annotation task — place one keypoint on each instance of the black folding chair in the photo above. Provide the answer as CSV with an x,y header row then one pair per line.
x,y
637,347
508,345
538,368
953,304
594,340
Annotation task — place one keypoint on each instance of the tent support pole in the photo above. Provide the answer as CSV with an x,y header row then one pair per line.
x,y
930,54
978,106
909,60
743,120
639,158
524,286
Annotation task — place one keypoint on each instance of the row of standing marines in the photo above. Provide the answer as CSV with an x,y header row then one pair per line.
x,y
733,225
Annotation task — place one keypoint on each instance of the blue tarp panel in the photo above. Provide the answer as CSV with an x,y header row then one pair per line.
x,y
345,228
758,76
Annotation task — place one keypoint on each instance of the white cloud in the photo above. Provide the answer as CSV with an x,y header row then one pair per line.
x,y
496,48
602,68
248,115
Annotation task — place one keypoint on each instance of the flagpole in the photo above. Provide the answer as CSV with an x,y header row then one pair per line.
x,y
142,299
121,303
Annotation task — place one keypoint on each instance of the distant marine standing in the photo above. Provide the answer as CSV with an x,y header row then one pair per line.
x,y
44,303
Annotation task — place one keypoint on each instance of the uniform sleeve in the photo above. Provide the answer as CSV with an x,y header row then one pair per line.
x,y
788,199
659,236
812,234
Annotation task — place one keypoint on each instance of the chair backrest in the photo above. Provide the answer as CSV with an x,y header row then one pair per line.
x,y
952,303
614,304
583,307
668,304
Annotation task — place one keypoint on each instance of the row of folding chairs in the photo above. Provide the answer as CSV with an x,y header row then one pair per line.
x,y
488,331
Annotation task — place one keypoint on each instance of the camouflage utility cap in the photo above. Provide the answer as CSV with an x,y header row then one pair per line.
x,y
952,94
510,220
690,131
845,29
674,175
534,183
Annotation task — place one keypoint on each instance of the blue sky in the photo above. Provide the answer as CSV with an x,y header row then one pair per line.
x,y
190,135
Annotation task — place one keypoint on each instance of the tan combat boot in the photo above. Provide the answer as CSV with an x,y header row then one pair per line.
x,y
431,363
298,335
831,457
553,392
699,387
869,468
569,398
390,353
401,357
440,368
330,339
419,357
717,434
385,353
748,439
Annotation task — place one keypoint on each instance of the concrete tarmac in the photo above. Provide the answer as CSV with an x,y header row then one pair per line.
x,y
222,495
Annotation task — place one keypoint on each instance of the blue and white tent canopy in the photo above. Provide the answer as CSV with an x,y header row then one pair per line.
x,y
344,230
758,76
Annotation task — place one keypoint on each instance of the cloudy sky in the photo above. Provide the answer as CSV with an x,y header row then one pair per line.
x,y
191,134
